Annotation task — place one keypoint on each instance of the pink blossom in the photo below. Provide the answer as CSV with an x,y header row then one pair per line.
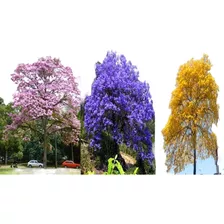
x,y
43,90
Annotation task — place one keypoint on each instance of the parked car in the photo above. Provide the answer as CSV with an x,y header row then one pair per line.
x,y
70,164
35,163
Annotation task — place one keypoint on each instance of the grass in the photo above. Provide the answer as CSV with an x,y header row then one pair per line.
x,y
6,170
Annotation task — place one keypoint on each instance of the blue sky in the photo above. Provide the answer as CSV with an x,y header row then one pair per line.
x,y
203,167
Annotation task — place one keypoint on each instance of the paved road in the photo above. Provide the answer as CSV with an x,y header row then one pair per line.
x,y
42,171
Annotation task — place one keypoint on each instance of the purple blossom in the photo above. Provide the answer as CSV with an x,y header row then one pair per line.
x,y
121,105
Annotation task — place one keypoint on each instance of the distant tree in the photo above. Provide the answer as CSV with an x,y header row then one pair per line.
x,y
11,145
1,101
188,133
119,107
47,100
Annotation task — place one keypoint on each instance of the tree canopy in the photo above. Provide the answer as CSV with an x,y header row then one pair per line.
x,y
120,105
194,110
47,100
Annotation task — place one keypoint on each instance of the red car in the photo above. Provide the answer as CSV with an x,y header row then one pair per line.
x,y
70,164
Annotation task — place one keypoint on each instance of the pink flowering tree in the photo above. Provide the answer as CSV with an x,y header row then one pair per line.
x,y
46,101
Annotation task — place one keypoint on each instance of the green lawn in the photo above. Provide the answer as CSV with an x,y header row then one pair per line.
x,y
7,170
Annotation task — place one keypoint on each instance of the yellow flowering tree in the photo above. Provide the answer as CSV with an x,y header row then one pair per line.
x,y
188,133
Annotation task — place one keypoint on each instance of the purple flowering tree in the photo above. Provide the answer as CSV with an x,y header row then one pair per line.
x,y
47,101
119,106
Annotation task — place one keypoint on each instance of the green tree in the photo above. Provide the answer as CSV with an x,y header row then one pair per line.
x,y
10,145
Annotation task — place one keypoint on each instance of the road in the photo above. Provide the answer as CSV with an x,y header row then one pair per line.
x,y
41,171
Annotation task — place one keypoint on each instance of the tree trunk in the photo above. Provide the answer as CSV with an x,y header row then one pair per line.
x,y
119,157
6,156
195,156
216,162
45,151
72,151
45,142
194,172
56,158
80,145
116,148
140,163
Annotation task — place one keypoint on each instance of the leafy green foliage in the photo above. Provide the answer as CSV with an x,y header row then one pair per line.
x,y
145,167
80,116
87,164
114,167
10,147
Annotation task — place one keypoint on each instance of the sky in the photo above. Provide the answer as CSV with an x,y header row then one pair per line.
x,y
203,167
157,36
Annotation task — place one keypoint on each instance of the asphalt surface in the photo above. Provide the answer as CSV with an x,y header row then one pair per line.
x,y
51,171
